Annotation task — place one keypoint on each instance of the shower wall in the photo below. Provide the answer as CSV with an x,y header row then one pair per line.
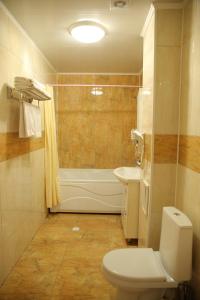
x,y
94,131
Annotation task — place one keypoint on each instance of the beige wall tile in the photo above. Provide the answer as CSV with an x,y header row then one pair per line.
x,y
155,230
188,200
163,189
188,188
190,104
163,194
169,27
167,90
148,55
22,205
143,229
191,13
87,124
22,174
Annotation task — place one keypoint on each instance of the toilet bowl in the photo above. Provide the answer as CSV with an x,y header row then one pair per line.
x,y
144,274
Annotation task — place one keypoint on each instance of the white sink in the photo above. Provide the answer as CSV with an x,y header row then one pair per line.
x,y
128,174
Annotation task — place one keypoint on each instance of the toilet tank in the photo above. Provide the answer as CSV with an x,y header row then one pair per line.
x,y
176,244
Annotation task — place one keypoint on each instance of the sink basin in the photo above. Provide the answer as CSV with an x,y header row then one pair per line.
x,y
128,174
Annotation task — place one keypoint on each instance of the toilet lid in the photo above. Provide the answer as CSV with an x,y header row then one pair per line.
x,y
134,264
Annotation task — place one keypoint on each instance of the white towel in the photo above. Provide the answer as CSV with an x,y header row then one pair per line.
x,y
29,120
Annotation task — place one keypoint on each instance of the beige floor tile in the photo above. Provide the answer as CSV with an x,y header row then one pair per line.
x,y
62,264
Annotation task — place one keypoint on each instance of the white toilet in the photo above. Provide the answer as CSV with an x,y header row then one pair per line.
x,y
144,274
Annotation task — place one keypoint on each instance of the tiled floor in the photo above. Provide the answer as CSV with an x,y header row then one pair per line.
x,y
62,264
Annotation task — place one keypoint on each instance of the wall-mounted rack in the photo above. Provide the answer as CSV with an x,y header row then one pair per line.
x,y
12,93
27,90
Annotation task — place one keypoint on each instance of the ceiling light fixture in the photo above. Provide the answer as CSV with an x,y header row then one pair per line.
x,y
87,32
120,3
97,91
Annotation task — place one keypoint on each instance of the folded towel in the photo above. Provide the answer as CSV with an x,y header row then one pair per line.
x,y
29,120
32,88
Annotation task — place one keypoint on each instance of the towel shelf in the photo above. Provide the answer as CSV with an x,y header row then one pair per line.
x,y
25,94
12,93
27,89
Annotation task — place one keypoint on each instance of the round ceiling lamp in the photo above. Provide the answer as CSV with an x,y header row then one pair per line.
x,y
87,32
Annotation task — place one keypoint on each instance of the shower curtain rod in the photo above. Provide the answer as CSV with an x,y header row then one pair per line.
x,y
95,85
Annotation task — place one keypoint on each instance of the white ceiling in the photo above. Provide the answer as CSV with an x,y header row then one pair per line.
x,y
46,22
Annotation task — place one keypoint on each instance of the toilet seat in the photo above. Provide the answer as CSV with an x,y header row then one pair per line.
x,y
134,265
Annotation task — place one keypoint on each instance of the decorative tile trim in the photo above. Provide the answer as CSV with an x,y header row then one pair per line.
x,y
165,148
12,146
189,152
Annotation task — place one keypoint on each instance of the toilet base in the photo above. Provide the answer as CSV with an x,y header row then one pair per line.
x,y
146,294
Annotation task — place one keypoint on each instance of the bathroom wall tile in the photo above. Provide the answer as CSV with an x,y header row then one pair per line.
x,y
169,25
165,148
163,191
12,146
155,230
147,114
24,203
11,66
98,79
189,152
148,55
188,200
143,229
22,200
167,90
88,124
190,21
188,189
190,105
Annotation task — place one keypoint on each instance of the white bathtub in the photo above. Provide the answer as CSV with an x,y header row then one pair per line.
x,y
89,190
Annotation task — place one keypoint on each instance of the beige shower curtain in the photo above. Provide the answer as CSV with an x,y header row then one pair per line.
x,y
51,152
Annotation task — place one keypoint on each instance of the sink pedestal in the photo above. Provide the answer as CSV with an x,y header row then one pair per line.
x,y
130,210
130,178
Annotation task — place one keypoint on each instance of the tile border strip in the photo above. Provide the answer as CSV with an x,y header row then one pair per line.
x,y
165,148
12,146
189,152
